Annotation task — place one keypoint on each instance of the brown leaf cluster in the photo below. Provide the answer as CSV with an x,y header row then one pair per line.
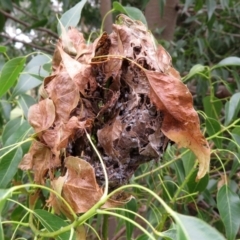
x,y
122,90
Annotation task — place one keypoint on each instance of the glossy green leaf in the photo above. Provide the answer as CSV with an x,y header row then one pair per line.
x,y
197,186
132,205
229,61
178,166
10,128
4,194
170,234
6,108
212,107
9,166
32,75
20,134
233,108
47,67
196,69
52,223
25,83
132,12
228,204
213,126
211,6
72,16
37,61
10,72
188,160
3,49
191,228
25,102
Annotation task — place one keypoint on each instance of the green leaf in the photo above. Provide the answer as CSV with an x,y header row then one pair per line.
x,y
212,107
196,69
40,23
198,186
10,72
132,205
72,16
4,194
20,134
10,128
211,6
1,229
25,102
6,108
178,166
213,126
3,49
37,61
187,4
191,228
32,75
233,108
132,12
25,83
9,166
52,223
7,4
228,204
2,62
143,237
170,234
188,160
224,3
229,61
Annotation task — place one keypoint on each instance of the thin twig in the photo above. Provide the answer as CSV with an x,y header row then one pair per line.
x,y
28,25
47,50
25,12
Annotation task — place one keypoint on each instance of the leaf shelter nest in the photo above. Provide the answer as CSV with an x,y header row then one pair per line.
x,y
122,90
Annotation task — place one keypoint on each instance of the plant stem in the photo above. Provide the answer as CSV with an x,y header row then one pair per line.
x,y
105,227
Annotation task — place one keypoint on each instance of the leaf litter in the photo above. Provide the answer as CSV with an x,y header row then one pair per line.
x,y
122,90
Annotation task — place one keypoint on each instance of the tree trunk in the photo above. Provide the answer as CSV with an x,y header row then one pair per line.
x,y
167,21
105,6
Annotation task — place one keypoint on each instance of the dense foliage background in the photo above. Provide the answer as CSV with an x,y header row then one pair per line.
x,y
203,40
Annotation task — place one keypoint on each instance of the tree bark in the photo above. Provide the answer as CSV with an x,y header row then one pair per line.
x,y
105,6
167,21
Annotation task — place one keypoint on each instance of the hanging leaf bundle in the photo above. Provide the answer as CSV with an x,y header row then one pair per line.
x,y
123,91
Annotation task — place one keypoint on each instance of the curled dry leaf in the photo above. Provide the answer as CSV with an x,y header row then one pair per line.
x,y
181,122
80,188
39,159
64,93
42,115
123,90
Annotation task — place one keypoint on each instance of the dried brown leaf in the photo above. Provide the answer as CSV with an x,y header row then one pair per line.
x,y
108,134
40,160
80,188
64,93
42,115
181,122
